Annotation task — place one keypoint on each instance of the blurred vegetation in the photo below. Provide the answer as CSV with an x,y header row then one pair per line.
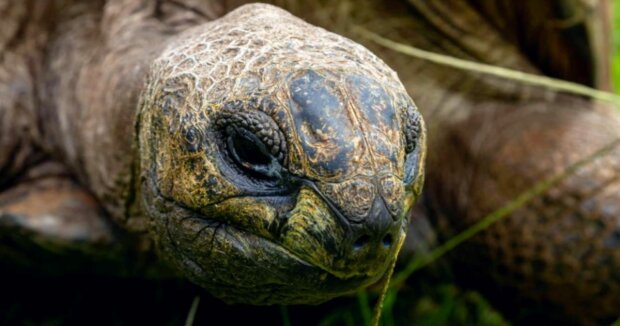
x,y
433,304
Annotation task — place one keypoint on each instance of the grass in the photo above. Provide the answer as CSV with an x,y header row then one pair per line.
x,y
191,315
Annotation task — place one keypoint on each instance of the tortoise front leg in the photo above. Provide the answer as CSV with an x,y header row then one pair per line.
x,y
49,221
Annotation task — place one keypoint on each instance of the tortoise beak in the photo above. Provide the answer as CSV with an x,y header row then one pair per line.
x,y
317,232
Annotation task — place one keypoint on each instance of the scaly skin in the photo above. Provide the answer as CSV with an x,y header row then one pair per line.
x,y
268,165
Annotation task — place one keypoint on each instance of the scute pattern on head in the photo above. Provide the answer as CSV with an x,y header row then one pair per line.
x,y
240,59
226,61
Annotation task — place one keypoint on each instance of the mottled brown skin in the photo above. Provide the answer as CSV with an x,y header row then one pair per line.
x,y
490,138
266,164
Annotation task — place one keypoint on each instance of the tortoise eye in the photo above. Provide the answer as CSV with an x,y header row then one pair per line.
x,y
411,124
253,140
411,128
250,153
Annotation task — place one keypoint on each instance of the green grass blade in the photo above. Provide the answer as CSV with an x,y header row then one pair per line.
x,y
520,76
286,319
191,315
386,285
388,307
615,66
364,306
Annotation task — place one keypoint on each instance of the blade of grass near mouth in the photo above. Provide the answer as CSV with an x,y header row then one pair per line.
x,y
379,307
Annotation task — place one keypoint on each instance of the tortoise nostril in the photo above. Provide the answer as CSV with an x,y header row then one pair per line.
x,y
387,240
361,241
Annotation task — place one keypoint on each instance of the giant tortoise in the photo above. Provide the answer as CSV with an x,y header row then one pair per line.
x,y
268,164
270,161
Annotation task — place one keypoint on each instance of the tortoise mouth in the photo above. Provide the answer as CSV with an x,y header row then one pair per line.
x,y
226,229
229,228
238,265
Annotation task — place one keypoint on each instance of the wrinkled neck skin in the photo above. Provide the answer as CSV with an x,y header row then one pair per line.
x,y
94,69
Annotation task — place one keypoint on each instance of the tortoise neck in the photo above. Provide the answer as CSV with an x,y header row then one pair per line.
x,y
94,70
26,29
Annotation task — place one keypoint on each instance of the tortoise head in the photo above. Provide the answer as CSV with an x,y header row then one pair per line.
x,y
279,161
